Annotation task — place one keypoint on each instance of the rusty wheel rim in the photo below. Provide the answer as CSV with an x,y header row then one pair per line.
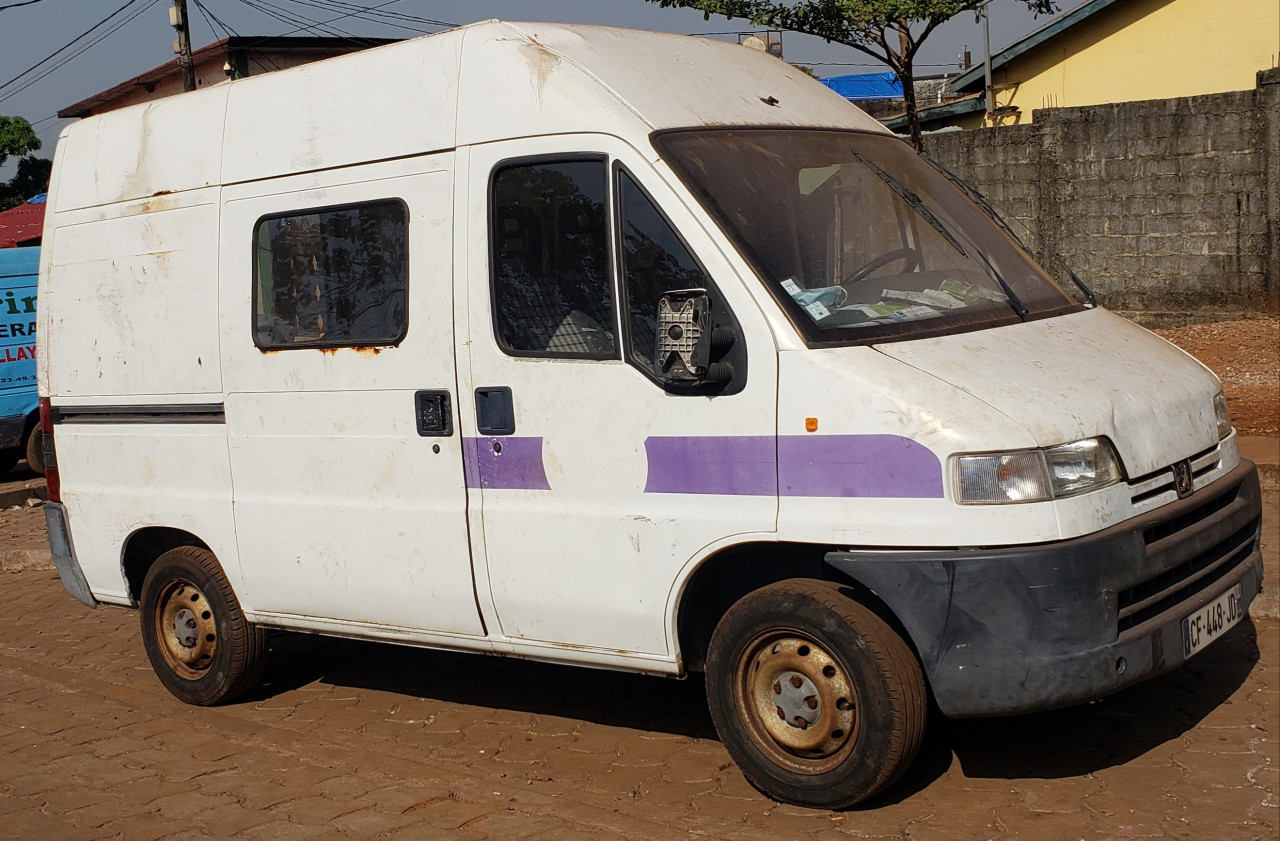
x,y
186,630
798,702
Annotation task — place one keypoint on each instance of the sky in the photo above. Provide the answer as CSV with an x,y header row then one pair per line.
x,y
32,30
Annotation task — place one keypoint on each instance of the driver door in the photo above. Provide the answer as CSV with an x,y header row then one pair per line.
x,y
597,487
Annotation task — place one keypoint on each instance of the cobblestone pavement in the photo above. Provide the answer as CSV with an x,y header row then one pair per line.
x,y
356,740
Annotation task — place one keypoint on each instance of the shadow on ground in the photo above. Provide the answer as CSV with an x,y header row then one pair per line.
x,y
1065,743
1089,737
613,698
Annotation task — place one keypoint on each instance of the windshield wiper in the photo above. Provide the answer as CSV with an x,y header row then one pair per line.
x,y
916,203
981,201
1014,301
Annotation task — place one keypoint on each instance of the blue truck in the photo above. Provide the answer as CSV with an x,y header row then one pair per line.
x,y
19,406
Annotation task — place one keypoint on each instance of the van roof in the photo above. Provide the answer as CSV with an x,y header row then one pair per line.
x,y
478,83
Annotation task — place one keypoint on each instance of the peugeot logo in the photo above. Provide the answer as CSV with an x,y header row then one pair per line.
x,y
1182,479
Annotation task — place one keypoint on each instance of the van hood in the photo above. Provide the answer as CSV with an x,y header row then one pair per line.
x,y
1080,375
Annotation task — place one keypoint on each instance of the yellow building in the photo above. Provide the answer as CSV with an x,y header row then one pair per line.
x,y
1120,51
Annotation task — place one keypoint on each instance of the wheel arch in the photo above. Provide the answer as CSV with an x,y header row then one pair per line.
x,y
144,546
727,575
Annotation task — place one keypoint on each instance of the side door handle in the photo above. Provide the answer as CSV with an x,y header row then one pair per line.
x,y
434,414
495,413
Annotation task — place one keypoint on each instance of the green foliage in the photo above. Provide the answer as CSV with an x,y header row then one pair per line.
x,y
888,30
877,27
16,138
32,178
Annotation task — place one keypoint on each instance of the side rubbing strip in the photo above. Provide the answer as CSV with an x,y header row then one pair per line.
x,y
171,413
832,466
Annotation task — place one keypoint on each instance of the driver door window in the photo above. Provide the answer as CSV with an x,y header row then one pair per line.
x,y
552,285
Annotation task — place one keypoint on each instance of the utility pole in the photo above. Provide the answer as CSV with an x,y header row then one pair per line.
x,y
986,46
182,46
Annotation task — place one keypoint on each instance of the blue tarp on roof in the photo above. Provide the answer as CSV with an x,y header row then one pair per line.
x,y
860,86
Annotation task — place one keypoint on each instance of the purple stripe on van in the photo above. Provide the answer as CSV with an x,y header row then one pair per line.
x,y
504,463
742,465
884,466
879,466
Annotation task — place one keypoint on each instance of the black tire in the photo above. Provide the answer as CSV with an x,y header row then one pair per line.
x,y
816,698
202,648
8,459
35,450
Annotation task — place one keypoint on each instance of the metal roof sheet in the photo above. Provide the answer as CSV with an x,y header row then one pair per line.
x,y
21,225
866,86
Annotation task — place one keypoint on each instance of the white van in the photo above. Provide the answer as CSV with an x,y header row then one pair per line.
x,y
630,350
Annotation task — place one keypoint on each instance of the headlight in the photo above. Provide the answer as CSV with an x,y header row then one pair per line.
x,y
1002,477
1036,475
1082,467
1224,417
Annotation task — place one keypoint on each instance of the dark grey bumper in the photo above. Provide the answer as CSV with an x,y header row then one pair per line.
x,y
64,553
1016,630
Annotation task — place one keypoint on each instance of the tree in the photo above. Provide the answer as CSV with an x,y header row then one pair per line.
x,y
32,178
890,31
17,138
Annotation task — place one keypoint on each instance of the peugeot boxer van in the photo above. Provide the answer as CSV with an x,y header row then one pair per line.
x,y
621,349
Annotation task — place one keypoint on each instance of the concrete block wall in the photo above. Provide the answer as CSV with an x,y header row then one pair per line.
x,y
1168,208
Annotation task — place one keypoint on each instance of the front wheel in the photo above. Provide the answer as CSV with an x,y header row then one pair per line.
x,y
817,699
198,641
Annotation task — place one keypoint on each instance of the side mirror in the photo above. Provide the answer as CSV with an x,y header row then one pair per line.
x,y
687,342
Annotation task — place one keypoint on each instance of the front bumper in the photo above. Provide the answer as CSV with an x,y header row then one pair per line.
x,y
1017,630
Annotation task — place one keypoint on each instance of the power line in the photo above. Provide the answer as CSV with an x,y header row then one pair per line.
x,y
392,19
291,19
864,64
208,14
93,43
50,118
370,13
209,20
16,5
67,45
357,13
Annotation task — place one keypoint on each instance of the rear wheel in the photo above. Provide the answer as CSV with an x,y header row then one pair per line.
x,y
817,699
198,641
35,450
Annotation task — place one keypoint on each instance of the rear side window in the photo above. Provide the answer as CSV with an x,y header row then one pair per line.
x,y
552,284
332,277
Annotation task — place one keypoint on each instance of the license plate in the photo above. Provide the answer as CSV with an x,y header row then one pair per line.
x,y
1211,621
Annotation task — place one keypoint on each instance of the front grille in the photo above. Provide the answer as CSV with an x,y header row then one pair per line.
x,y
1191,550
1153,488
1170,527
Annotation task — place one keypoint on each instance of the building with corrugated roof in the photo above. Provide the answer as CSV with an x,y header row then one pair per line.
x,y
230,58
1106,51
22,225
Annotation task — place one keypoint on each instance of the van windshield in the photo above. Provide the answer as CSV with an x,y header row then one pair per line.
x,y
861,239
